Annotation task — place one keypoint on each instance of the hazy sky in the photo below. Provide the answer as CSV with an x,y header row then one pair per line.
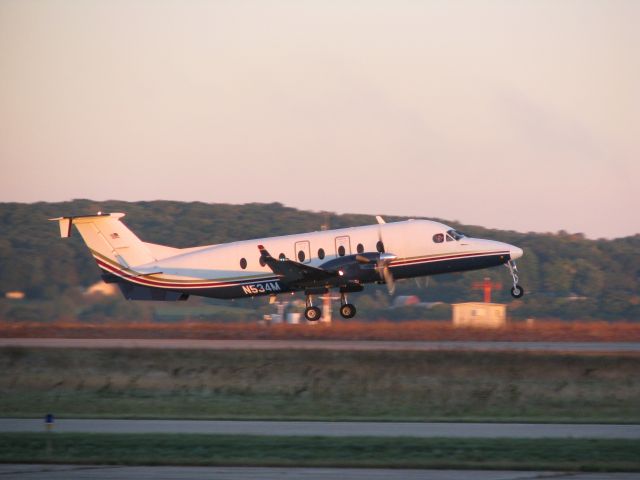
x,y
512,114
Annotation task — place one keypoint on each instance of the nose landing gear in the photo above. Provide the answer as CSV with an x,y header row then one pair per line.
x,y
516,291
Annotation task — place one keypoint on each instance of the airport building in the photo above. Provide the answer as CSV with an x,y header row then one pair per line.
x,y
479,314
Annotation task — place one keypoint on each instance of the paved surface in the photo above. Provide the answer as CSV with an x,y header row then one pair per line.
x,y
97,472
617,347
332,429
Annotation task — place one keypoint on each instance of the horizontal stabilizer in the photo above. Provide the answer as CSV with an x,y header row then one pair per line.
x,y
65,223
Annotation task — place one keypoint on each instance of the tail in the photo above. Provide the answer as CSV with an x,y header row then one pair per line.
x,y
109,239
118,251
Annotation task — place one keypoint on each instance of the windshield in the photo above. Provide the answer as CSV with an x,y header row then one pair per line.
x,y
456,234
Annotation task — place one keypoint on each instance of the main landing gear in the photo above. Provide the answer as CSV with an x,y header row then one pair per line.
x,y
347,310
516,291
313,314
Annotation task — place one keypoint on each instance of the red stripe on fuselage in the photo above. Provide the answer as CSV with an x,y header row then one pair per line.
x,y
168,284
402,263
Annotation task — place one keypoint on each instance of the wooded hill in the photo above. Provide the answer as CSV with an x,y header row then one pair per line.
x,y
565,275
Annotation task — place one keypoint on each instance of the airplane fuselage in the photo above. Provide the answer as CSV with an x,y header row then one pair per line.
x,y
237,270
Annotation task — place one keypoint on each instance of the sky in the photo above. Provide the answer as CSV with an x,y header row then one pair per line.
x,y
520,115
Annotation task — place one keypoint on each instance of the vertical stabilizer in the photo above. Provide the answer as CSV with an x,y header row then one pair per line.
x,y
109,238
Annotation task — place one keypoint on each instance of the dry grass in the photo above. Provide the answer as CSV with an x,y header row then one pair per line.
x,y
352,330
320,384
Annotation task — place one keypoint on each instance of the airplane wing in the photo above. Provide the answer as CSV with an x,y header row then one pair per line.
x,y
294,272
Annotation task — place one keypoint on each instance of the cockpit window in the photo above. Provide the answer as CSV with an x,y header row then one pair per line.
x,y
438,238
456,235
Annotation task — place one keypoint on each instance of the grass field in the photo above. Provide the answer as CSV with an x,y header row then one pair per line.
x,y
307,384
401,452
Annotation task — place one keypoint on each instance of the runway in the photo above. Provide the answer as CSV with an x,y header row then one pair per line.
x,y
113,472
330,429
353,345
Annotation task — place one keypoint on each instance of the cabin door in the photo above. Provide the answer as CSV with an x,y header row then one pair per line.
x,y
343,246
303,251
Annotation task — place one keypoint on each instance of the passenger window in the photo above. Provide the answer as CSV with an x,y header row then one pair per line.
x,y
341,250
360,248
449,239
320,253
380,246
243,263
301,256
438,238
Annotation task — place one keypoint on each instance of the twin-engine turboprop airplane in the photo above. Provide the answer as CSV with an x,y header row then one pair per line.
x,y
344,259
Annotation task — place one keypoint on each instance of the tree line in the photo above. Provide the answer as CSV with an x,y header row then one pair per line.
x,y
566,276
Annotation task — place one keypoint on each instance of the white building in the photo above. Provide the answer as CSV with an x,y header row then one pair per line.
x,y
479,314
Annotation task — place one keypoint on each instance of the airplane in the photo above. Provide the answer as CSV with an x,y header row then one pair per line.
x,y
345,259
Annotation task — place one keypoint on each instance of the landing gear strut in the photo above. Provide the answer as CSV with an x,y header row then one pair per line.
x,y
516,291
312,313
347,310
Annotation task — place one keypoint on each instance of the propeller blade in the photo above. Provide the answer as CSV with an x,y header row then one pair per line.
x,y
384,259
362,259
380,242
388,279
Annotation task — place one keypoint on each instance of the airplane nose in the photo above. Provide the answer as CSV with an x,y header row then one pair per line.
x,y
515,252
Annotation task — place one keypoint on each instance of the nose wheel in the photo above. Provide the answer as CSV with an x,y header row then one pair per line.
x,y
516,291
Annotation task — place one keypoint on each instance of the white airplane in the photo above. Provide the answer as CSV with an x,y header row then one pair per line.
x,y
313,262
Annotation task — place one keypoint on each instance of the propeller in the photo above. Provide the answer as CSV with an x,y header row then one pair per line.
x,y
383,260
382,266
385,273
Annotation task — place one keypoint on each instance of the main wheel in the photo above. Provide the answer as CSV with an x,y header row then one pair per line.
x,y
517,291
312,314
347,310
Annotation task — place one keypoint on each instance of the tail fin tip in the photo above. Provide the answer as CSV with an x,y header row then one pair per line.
x,y
65,223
